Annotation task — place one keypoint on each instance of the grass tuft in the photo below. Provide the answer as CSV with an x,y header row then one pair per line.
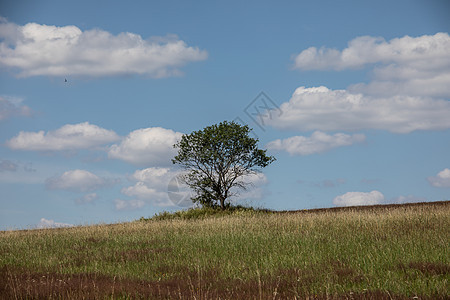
x,y
199,213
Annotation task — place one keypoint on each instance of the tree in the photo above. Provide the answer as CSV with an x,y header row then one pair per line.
x,y
217,158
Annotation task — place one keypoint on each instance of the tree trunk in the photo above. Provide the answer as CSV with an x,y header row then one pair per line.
x,y
222,202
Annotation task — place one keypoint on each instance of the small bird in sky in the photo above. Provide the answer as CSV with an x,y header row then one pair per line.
x,y
65,79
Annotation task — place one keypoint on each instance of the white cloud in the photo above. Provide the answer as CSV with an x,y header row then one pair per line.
x,y
147,147
359,198
320,108
78,181
426,51
128,204
68,137
35,49
44,223
145,191
156,176
12,106
408,91
151,186
405,80
255,189
373,198
318,142
88,198
442,179
413,66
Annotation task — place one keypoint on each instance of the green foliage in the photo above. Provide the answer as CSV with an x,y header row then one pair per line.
x,y
217,159
206,212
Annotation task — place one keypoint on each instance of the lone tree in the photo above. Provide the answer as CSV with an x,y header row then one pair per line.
x,y
216,159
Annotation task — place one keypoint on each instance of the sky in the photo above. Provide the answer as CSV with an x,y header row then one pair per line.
x,y
351,97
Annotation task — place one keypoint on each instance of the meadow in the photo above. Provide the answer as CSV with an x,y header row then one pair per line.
x,y
378,252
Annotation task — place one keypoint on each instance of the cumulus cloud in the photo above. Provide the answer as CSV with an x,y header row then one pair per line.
x,y
408,91
318,142
44,223
78,181
88,198
405,80
35,49
373,198
320,108
155,176
442,179
145,191
414,66
427,51
132,204
151,186
11,107
255,189
68,137
147,147
359,198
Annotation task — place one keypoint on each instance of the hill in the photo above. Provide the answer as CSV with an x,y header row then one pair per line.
x,y
377,252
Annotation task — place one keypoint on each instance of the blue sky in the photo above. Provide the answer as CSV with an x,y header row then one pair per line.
x,y
358,95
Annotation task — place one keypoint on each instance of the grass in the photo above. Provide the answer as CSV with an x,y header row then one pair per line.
x,y
383,252
206,212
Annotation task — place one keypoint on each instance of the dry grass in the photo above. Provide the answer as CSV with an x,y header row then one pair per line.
x,y
358,253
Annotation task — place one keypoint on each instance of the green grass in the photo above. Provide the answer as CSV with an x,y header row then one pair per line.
x,y
205,212
381,252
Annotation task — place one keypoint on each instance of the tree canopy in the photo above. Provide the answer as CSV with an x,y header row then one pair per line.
x,y
217,158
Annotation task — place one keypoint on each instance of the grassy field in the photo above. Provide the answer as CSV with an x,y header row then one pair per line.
x,y
382,252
